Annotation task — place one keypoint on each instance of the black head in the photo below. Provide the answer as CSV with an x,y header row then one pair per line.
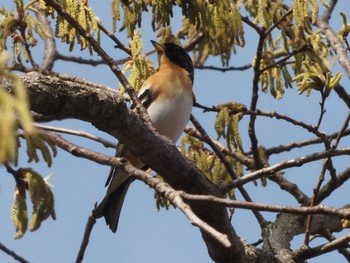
x,y
177,55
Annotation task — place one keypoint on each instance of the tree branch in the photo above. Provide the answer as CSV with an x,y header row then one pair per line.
x,y
119,44
228,167
99,50
231,152
286,164
303,210
12,254
50,42
241,68
88,228
254,99
341,242
161,187
337,45
83,134
106,110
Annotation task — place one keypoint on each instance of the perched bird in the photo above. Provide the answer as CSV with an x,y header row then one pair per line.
x,y
167,95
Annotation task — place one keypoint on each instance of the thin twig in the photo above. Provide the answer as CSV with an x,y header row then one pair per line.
x,y
301,210
238,156
290,146
241,68
83,134
342,131
228,167
286,118
22,29
50,42
322,109
80,60
327,164
109,60
208,140
291,188
329,187
316,190
285,15
284,61
284,165
175,197
341,242
344,251
119,44
144,176
12,254
247,21
254,100
205,108
84,243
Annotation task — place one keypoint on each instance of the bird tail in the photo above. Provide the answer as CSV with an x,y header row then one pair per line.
x,y
111,205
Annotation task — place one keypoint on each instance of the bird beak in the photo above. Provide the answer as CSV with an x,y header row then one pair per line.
x,y
158,46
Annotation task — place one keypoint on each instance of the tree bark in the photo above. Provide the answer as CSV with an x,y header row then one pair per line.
x,y
104,108
107,111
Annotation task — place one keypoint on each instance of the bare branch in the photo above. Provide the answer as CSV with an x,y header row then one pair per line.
x,y
83,134
303,210
254,99
344,251
291,188
286,118
241,68
22,29
50,43
275,25
341,242
231,152
342,131
208,140
155,183
228,167
119,44
84,243
91,62
110,62
12,254
329,187
175,197
107,111
286,226
316,190
286,164
290,146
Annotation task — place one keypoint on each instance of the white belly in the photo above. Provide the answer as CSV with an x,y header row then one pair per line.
x,y
171,118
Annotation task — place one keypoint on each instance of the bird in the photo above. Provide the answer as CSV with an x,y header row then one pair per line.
x,y
168,98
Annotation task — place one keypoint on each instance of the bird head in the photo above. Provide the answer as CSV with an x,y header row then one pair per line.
x,y
176,54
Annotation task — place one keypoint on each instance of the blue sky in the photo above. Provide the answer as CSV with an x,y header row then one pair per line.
x,y
145,235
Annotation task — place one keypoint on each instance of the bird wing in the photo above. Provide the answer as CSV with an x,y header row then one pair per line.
x,y
146,97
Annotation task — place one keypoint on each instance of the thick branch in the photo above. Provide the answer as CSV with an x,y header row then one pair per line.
x,y
287,226
107,111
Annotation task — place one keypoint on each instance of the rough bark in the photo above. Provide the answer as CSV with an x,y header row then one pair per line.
x,y
107,111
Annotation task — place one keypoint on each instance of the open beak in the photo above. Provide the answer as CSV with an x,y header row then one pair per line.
x,y
158,46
